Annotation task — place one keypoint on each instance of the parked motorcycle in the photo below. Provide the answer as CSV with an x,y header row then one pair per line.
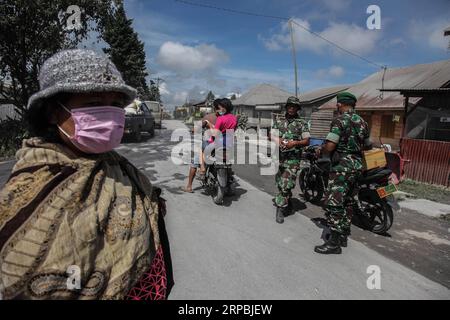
x,y
219,181
373,194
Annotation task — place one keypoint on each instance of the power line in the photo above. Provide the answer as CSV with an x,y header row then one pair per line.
x,y
230,10
284,19
338,46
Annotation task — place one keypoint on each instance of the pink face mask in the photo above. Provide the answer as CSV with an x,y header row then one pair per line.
x,y
97,129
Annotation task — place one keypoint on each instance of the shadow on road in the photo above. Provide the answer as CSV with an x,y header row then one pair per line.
x,y
297,206
238,192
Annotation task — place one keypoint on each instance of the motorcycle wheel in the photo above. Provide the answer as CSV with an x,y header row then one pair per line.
x,y
311,186
218,196
377,216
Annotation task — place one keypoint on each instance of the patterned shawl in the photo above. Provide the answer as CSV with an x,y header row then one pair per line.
x,y
61,214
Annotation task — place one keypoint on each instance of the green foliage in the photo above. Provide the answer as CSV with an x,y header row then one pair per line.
x,y
210,97
31,32
12,132
126,50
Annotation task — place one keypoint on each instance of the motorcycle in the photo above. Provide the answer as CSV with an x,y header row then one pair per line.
x,y
219,180
372,193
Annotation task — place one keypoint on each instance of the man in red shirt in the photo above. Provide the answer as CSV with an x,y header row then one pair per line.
x,y
206,120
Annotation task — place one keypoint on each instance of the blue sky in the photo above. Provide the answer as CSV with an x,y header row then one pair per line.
x,y
197,49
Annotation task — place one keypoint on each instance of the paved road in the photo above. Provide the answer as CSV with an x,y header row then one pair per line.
x,y
416,241
238,252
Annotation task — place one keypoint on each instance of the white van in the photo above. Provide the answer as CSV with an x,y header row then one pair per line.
x,y
157,110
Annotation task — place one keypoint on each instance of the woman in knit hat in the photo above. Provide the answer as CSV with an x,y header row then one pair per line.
x,y
77,220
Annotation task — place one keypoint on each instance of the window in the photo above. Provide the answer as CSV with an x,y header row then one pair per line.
x,y
145,109
387,126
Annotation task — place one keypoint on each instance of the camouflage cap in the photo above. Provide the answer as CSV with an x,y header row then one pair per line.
x,y
346,97
293,101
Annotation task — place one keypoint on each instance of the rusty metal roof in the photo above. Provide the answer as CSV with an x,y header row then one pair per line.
x,y
263,94
266,94
312,96
420,77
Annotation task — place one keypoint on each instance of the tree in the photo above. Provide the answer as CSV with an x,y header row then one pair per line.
x,y
210,97
154,90
31,32
125,50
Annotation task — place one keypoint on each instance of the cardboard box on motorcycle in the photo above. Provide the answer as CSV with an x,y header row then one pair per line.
x,y
374,158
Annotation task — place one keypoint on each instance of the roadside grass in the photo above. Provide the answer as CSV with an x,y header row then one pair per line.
x,y
426,191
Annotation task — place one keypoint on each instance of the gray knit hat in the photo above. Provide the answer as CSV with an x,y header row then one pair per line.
x,y
78,71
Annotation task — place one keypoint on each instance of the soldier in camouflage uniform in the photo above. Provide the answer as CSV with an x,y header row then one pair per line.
x,y
242,121
348,137
293,135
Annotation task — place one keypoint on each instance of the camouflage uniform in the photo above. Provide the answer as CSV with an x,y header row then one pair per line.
x,y
289,161
349,131
242,121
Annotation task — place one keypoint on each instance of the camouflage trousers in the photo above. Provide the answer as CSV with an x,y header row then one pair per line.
x,y
285,180
339,202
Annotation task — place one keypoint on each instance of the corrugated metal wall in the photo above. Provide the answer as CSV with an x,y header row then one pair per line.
x,y
430,160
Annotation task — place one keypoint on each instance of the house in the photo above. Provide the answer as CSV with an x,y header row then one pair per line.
x,y
426,137
259,103
312,100
319,120
384,110
264,101
202,107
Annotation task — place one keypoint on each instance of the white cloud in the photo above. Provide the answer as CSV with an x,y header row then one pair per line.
x,y
163,89
231,94
194,94
429,34
332,72
349,36
179,98
187,60
256,76
336,71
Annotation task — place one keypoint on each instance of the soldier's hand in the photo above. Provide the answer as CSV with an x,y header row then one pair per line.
x,y
290,144
318,152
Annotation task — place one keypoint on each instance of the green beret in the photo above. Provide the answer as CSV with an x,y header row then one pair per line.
x,y
346,97
293,101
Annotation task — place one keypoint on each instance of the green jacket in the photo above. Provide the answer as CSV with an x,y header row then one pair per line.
x,y
292,129
349,131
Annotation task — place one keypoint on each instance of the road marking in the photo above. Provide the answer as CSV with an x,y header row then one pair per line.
x,y
8,161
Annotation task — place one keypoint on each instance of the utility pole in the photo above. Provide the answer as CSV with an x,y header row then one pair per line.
x,y
158,80
294,56
446,34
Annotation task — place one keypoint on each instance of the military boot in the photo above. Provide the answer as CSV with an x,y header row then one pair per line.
x,y
343,237
343,240
280,215
331,246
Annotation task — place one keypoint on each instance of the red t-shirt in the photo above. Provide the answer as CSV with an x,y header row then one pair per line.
x,y
226,122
